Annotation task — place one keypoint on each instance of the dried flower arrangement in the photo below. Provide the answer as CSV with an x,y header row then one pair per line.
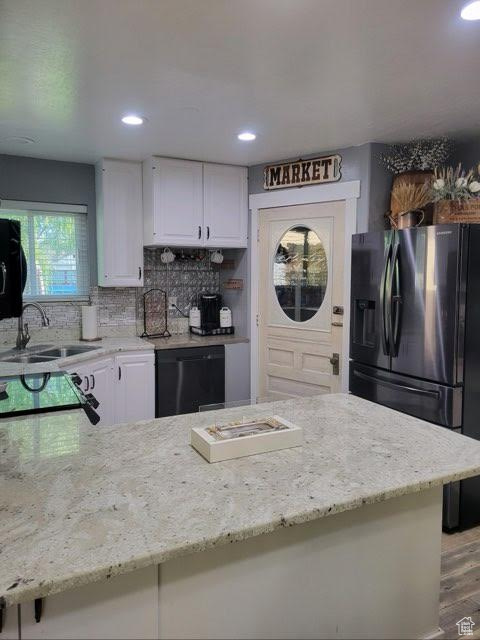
x,y
455,184
408,197
418,155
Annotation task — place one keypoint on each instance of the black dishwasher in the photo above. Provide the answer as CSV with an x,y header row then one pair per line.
x,y
186,379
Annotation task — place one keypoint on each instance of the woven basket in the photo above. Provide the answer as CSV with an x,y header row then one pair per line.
x,y
448,211
413,177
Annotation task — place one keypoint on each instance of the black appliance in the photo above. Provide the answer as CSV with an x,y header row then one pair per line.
x,y
415,334
210,305
13,270
33,393
186,379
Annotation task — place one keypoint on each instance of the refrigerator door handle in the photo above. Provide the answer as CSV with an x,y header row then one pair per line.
x,y
393,385
394,302
384,301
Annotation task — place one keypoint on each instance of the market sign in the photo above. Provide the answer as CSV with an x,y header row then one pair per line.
x,y
302,172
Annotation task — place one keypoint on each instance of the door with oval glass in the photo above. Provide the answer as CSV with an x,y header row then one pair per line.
x,y
301,260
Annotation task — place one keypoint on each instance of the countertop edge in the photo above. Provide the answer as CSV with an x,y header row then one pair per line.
x,y
114,346
24,593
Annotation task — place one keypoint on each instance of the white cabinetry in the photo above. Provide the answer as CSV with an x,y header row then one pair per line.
x,y
125,606
124,386
97,378
194,204
119,223
10,629
135,387
225,205
173,192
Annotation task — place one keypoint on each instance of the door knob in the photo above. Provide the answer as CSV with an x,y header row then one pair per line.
x,y
335,362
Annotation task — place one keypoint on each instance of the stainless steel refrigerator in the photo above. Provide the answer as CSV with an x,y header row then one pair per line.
x,y
415,334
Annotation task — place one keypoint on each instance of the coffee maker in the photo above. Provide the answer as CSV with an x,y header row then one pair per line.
x,y
210,305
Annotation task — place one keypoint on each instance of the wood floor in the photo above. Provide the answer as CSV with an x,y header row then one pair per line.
x,y
460,583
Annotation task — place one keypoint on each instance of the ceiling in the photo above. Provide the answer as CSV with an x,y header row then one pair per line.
x,y
305,75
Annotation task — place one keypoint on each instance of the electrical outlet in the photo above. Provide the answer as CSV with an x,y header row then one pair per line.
x,y
172,302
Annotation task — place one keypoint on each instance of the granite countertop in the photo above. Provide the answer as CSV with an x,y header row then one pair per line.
x,y
103,347
108,346
190,340
81,504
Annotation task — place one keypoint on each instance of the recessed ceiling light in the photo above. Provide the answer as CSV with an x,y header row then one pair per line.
x,y
471,11
246,136
19,140
132,119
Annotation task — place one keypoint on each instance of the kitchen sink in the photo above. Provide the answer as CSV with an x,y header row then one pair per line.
x,y
43,353
28,359
65,352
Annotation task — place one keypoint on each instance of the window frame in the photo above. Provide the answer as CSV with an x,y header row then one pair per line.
x,y
51,207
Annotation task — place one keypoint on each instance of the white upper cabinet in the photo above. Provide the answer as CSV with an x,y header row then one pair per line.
x,y
194,204
173,206
225,205
119,223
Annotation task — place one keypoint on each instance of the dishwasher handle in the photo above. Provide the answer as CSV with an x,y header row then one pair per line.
x,y
209,356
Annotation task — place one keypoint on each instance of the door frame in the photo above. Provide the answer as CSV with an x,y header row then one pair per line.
x,y
348,192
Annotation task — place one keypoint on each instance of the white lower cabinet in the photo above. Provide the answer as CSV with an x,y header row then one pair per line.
x,y
125,606
97,379
135,387
124,386
10,629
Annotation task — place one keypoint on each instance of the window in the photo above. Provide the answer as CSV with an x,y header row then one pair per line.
x,y
54,239
300,273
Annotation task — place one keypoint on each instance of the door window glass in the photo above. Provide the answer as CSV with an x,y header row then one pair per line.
x,y
300,273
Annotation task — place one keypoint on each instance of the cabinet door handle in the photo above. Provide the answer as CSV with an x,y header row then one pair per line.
x,y
199,232
87,384
93,381
208,233
119,373
139,273
38,609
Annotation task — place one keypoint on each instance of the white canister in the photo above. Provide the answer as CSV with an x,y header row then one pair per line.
x,y
194,317
225,317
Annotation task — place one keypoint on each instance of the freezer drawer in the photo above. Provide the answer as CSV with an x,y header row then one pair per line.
x,y
429,401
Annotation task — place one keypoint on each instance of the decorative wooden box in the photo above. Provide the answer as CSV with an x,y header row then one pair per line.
x,y
448,211
239,439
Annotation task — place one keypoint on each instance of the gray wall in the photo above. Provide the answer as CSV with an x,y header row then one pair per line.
x,y
467,152
40,180
380,186
358,163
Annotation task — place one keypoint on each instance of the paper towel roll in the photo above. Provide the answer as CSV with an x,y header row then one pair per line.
x,y
90,322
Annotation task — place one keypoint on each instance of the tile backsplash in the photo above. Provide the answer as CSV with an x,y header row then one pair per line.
x,y
120,310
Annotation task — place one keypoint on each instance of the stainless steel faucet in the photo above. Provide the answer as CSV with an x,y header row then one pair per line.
x,y
23,337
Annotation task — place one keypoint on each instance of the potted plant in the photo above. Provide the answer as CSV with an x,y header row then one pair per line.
x,y
413,163
456,195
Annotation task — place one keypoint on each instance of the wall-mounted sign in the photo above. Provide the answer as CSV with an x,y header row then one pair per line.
x,y
302,172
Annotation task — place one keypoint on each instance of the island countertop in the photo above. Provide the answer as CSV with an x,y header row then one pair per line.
x,y
81,503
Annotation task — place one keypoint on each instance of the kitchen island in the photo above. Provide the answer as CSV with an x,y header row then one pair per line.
x,y
126,531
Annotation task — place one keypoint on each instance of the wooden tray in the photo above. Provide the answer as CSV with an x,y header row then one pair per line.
x,y
239,439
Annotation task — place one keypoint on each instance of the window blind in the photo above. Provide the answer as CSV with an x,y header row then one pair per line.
x,y
55,241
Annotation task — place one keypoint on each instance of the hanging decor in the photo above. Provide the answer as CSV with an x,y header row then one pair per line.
x,y
302,172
